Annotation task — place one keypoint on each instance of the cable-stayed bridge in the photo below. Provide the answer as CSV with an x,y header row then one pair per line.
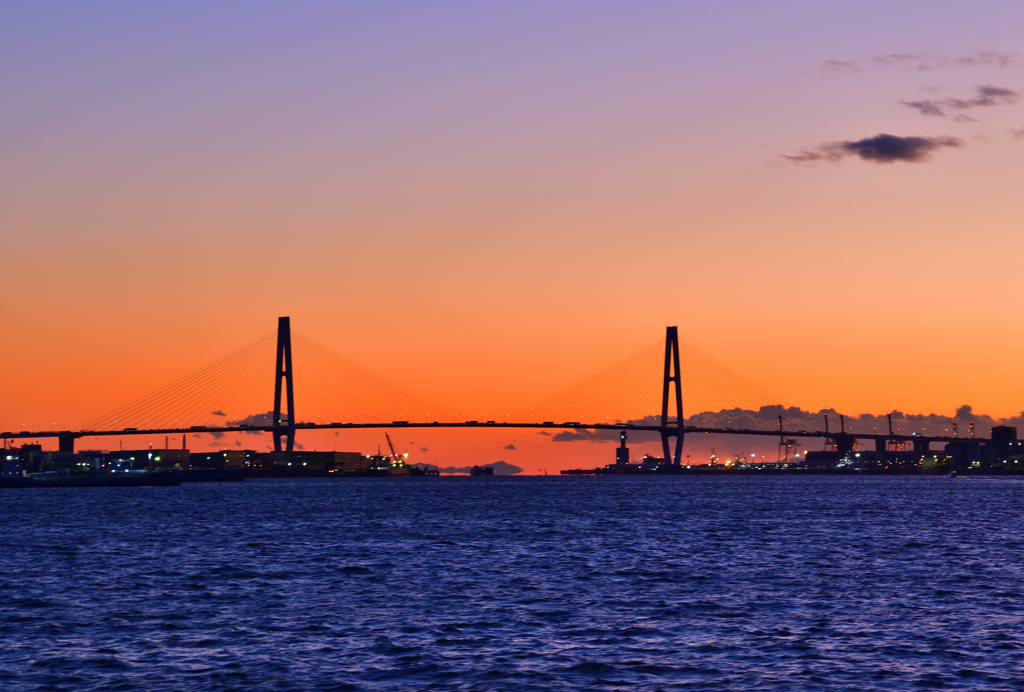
x,y
285,382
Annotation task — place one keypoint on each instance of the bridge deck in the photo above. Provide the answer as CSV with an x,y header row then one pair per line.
x,y
689,430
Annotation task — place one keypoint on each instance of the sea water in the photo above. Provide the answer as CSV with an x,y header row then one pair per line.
x,y
491,583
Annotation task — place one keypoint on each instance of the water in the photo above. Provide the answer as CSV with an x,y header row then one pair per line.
x,y
516,584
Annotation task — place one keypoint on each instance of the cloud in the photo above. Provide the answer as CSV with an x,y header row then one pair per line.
x,y
424,450
218,412
510,446
987,95
881,148
1018,133
544,432
796,419
925,61
578,436
612,435
926,107
258,419
840,66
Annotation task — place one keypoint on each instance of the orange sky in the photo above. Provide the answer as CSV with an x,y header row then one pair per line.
x,y
488,205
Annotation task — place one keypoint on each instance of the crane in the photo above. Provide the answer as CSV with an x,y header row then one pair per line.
x,y
395,459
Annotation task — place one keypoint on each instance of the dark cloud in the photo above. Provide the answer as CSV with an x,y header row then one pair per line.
x,y
218,412
299,446
510,446
424,450
584,435
881,148
577,436
238,443
261,419
926,61
796,419
1018,133
840,66
926,107
987,95
889,148
544,432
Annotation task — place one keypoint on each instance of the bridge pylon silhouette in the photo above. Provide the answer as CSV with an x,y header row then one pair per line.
x,y
284,427
231,396
672,376
671,428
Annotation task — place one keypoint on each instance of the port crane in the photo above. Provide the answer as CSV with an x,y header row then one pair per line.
x,y
395,459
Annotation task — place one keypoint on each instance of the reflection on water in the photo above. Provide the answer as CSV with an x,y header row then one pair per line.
x,y
515,583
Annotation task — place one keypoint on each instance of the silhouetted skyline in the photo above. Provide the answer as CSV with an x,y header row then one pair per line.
x,y
488,203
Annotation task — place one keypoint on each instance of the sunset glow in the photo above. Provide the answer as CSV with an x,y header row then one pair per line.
x,y
486,204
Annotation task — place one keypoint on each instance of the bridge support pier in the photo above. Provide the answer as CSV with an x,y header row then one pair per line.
x,y
921,448
672,429
284,427
844,444
880,448
66,443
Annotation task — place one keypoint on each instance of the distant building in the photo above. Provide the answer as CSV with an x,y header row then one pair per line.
x,y
351,460
92,460
128,459
1003,439
225,459
322,461
169,458
622,451
826,458
967,453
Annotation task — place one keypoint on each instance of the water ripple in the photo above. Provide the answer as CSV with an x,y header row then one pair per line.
x,y
516,584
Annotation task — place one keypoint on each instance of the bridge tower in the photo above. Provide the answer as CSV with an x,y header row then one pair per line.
x,y
66,443
284,427
669,429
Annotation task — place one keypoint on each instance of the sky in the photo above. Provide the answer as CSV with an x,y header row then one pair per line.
x,y
488,202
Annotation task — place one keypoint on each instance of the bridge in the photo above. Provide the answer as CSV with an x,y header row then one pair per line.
x,y
184,407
